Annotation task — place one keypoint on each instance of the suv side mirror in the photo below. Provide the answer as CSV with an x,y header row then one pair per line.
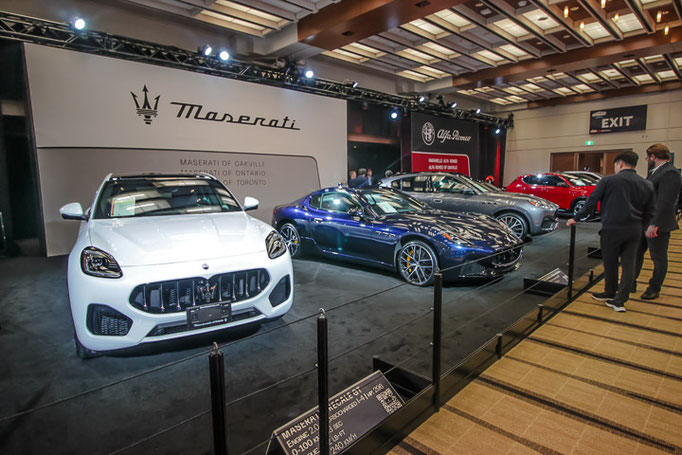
x,y
250,203
73,211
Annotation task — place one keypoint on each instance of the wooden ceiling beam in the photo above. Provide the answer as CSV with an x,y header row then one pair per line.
x,y
555,13
671,63
342,23
596,11
629,91
599,55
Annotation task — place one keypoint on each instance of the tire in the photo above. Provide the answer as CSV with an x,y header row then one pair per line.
x,y
83,352
577,206
517,223
417,263
292,238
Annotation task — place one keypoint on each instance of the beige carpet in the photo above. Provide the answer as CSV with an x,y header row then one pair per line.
x,y
589,381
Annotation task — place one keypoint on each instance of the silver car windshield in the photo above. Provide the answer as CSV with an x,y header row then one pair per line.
x,y
154,196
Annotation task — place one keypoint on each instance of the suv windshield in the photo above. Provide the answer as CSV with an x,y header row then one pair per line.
x,y
576,181
385,202
152,196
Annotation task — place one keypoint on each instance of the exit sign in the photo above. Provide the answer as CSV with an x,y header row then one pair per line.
x,y
589,142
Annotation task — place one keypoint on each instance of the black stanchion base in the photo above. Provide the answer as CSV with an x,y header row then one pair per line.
x,y
547,285
594,252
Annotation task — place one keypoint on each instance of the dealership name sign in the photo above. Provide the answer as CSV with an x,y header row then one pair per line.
x,y
442,144
631,118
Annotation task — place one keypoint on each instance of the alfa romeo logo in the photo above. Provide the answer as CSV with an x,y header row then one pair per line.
x,y
428,133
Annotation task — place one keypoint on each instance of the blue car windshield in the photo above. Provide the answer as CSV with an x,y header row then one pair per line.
x,y
385,202
153,196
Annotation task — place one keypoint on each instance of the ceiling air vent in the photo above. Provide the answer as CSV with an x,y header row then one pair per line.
x,y
422,4
348,33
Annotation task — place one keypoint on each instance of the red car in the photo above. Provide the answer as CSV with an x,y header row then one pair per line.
x,y
569,191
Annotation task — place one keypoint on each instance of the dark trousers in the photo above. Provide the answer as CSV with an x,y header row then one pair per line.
x,y
619,245
658,248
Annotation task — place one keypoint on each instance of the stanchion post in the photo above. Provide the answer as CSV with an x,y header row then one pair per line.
x,y
323,382
591,275
216,364
541,307
498,346
437,332
571,262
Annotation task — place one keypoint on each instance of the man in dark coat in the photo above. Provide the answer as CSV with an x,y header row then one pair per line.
x,y
667,181
627,206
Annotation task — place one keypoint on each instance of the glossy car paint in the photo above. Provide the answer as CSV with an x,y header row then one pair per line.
x,y
172,247
375,240
564,196
539,214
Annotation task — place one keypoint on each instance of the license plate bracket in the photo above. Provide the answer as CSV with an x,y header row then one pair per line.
x,y
208,315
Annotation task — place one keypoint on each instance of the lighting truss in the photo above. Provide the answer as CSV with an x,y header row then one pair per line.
x,y
32,30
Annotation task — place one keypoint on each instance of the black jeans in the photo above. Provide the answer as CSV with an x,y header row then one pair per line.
x,y
619,245
658,248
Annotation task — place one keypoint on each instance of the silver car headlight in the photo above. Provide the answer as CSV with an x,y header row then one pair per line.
x,y
275,245
95,262
453,238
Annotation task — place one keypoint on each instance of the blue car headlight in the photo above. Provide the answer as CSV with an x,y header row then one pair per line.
x,y
453,238
95,262
275,245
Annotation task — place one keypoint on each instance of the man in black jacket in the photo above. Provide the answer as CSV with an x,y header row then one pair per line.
x,y
627,206
666,180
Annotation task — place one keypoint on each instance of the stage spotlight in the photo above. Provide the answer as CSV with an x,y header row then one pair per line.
x,y
224,55
354,84
453,105
309,74
78,23
394,114
497,131
421,98
206,50
478,110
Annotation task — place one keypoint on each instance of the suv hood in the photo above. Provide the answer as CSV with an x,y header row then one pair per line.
x,y
178,238
516,198
481,230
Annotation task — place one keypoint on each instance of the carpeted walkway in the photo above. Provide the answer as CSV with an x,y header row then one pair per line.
x,y
589,381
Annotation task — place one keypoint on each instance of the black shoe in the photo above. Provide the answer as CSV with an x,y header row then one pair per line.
x,y
649,294
602,296
616,306
633,289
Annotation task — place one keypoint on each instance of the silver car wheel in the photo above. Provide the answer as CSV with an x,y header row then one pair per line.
x,y
417,263
515,223
578,207
292,239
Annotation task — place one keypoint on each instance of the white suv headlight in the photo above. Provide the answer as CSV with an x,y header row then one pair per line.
x,y
275,245
96,262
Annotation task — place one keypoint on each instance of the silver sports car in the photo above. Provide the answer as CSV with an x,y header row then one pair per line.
x,y
523,214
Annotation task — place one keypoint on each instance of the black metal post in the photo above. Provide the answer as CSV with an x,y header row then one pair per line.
x,y
437,331
323,382
571,262
540,308
498,346
591,275
216,364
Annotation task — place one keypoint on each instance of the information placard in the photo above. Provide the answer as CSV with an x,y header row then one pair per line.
x,y
352,414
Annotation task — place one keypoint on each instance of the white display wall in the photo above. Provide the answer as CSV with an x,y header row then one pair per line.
x,y
92,116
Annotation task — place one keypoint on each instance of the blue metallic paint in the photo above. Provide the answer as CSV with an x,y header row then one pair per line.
x,y
375,240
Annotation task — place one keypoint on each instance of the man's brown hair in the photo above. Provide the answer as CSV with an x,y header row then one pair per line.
x,y
660,151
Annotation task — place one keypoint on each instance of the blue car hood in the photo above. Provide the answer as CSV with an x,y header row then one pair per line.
x,y
481,230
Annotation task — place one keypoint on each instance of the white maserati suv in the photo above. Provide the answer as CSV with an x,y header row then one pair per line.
x,y
166,256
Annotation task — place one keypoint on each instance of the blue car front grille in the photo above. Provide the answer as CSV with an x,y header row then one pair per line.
x,y
178,295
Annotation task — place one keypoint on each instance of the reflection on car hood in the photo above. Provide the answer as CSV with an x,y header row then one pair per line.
x,y
178,238
506,198
481,230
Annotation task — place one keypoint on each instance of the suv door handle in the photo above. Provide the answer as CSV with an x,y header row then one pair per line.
x,y
438,201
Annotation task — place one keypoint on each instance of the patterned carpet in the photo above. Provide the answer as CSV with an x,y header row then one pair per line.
x,y
589,381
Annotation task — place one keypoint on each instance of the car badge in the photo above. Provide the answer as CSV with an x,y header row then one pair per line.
x,y
204,266
206,292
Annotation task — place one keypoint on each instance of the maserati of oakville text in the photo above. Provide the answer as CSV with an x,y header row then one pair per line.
x,y
166,256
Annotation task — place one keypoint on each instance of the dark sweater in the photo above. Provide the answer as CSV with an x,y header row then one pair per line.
x,y
627,201
667,182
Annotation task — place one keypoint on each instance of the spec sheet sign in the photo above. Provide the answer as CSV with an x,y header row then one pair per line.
x,y
440,162
631,118
352,414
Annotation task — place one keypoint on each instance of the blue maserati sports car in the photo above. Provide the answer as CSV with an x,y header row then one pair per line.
x,y
386,228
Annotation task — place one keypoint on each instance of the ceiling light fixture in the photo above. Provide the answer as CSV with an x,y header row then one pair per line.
x,y
309,74
522,3
486,11
616,17
659,16
582,26
565,11
666,30
603,4
224,55
78,23
205,50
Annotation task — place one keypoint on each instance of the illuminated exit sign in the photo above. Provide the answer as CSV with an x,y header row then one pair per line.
x,y
589,142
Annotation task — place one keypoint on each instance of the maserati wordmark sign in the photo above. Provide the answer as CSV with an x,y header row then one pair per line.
x,y
442,144
631,118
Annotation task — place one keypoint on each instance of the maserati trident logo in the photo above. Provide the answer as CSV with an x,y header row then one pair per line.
x,y
428,133
146,110
206,292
